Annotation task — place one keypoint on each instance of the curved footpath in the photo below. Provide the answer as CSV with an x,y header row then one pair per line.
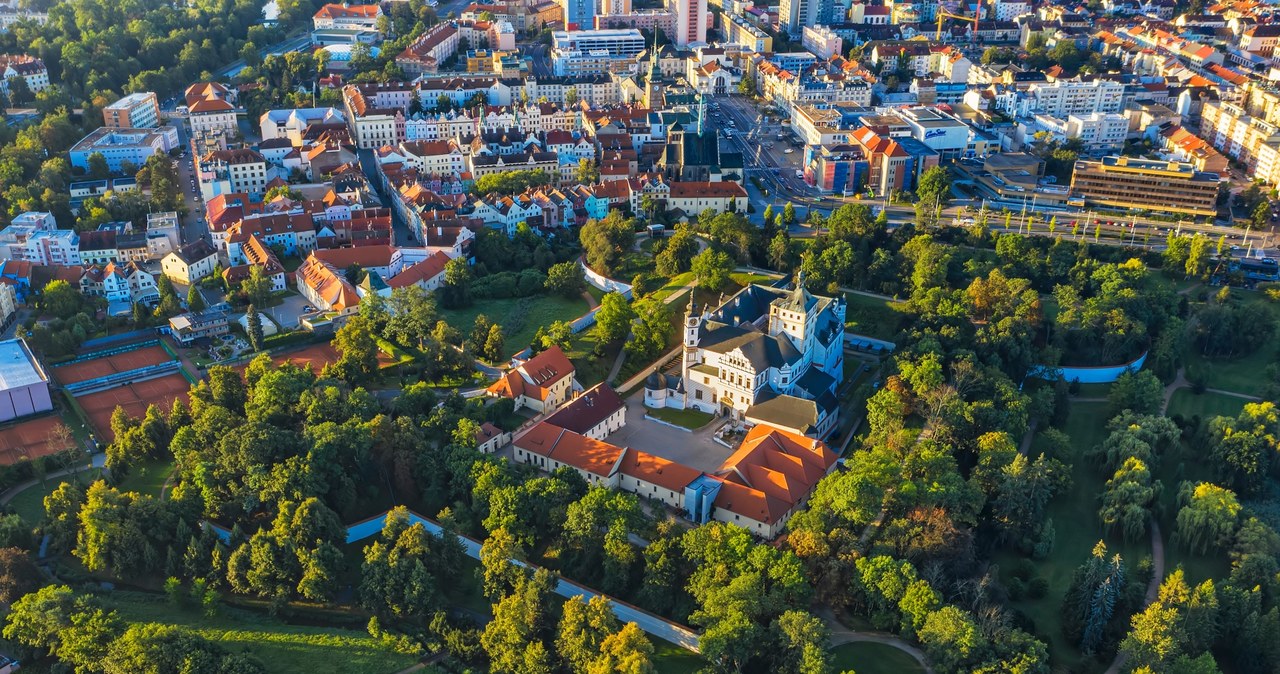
x,y
843,635
98,461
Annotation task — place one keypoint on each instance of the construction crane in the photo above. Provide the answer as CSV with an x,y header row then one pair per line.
x,y
975,19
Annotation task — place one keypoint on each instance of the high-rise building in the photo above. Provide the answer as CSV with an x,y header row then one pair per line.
x,y
794,15
578,14
135,111
691,21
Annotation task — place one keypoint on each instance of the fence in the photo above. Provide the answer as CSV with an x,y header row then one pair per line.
x,y
604,282
119,349
117,339
127,377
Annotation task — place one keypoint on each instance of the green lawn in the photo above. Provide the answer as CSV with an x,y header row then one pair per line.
x,y
1077,530
148,478
745,279
1093,390
1205,405
1241,375
690,419
873,317
283,648
670,285
872,658
669,658
519,317
29,504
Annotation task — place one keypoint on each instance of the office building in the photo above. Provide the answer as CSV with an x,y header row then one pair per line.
x,y
617,43
123,146
578,14
135,111
1144,184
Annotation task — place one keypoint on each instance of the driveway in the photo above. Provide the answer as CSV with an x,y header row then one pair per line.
x,y
695,449
286,313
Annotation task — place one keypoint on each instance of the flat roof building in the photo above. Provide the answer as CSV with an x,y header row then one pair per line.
x,y
24,386
625,43
135,111
1145,184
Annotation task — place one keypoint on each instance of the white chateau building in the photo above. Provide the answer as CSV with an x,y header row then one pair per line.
x,y
767,355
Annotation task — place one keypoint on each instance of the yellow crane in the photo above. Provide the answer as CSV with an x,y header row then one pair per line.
x,y
975,19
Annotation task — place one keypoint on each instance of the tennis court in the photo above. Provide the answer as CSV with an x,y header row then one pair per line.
x,y
101,367
134,398
28,440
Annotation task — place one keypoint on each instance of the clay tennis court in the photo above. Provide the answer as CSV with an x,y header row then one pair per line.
x,y
134,398
29,439
101,367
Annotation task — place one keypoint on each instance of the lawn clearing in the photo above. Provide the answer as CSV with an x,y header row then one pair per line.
x,y
283,648
29,503
872,316
520,317
148,478
868,657
1240,375
1077,530
690,419
1204,405
669,658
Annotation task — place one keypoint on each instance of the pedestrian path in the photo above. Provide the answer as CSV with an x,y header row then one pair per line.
x,y
652,624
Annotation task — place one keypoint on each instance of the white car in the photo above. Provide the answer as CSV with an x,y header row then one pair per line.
x,y
788,151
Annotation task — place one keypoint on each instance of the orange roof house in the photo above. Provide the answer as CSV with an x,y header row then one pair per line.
x,y
542,383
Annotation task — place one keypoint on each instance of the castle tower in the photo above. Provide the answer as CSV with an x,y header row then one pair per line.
x,y
692,324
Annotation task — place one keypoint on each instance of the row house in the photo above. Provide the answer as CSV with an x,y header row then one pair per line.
x,y
114,245
291,233
126,282
361,227
487,164
506,213
376,112
436,157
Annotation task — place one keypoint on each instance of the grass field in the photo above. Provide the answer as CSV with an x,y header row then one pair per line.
x,y
283,648
690,419
29,504
1205,405
873,317
669,658
519,317
149,478
872,658
1077,530
1241,375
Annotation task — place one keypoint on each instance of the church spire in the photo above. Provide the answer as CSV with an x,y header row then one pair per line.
x,y
653,63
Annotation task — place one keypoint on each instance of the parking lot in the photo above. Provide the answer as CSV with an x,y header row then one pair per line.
x,y
287,312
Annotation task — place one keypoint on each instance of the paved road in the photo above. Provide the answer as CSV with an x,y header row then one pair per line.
x,y
97,461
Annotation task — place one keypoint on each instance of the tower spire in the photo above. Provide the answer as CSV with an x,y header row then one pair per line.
x,y
653,63
701,111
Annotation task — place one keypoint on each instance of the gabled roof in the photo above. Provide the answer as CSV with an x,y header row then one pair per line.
x,y
593,456
657,470
588,410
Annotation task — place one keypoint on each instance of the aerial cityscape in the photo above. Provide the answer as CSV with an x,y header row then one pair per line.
x,y
639,337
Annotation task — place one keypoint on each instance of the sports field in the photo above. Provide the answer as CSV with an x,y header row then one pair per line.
x,y
134,398
101,367
27,440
